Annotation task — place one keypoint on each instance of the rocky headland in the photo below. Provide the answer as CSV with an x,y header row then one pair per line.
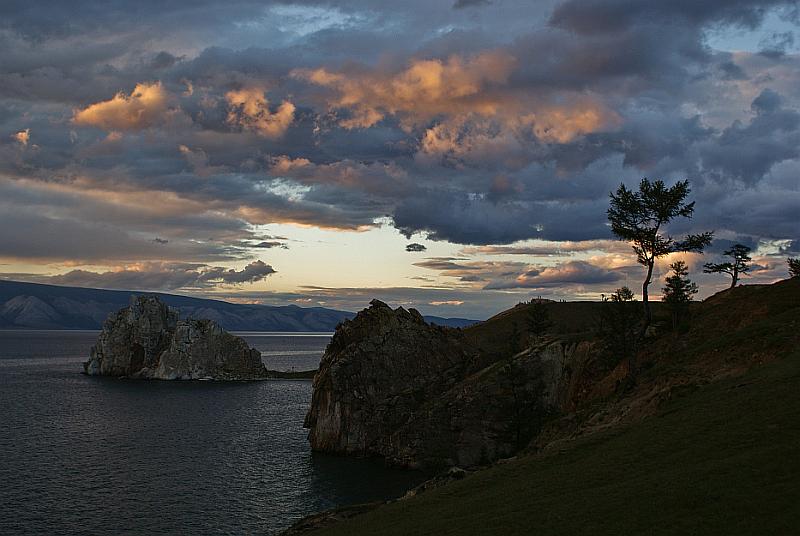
x,y
558,414
424,396
148,340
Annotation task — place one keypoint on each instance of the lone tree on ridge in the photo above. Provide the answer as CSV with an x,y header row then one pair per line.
x,y
639,217
740,265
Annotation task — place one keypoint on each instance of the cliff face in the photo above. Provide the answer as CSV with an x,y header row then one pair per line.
x,y
420,395
147,340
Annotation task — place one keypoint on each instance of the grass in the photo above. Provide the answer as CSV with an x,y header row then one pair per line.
x,y
721,459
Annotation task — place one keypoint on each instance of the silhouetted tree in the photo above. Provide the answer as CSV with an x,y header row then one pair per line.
x,y
620,319
739,264
678,292
538,319
515,336
794,267
640,216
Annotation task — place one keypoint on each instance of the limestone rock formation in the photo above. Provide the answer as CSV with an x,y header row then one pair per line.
x,y
147,340
420,395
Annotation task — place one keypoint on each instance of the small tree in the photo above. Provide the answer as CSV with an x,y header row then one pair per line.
x,y
739,264
679,291
639,217
794,266
620,318
514,345
538,319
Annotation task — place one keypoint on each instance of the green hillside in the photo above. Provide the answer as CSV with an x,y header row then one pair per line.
x,y
718,460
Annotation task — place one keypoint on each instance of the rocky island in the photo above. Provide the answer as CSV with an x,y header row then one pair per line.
x,y
148,340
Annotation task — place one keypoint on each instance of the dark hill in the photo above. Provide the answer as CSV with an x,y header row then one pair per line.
x,y
704,442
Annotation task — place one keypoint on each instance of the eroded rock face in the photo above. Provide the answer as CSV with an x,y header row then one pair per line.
x,y
377,370
419,395
148,340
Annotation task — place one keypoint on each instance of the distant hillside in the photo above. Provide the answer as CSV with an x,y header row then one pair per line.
x,y
36,306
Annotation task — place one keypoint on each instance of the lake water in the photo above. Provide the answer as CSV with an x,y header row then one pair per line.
x,y
87,455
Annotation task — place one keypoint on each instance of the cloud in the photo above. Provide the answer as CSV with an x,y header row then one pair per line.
x,y
162,276
749,151
776,44
549,249
598,16
443,263
425,88
146,106
461,4
566,274
500,129
22,137
269,244
249,109
255,271
415,247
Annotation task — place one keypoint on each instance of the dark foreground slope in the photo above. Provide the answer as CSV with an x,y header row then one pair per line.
x,y
705,441
716,460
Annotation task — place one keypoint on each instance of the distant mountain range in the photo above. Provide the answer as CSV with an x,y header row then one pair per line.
x,y
37,306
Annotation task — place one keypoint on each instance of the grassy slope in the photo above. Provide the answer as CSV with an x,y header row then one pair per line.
x,y
721,459
571,320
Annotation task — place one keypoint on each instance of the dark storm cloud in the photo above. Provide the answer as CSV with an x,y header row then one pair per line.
x,y
599,16
475,220
461,4
748,151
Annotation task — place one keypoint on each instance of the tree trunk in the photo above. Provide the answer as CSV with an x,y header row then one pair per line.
x,y
648,315
734,277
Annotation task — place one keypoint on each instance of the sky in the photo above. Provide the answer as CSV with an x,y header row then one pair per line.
x,y
455,156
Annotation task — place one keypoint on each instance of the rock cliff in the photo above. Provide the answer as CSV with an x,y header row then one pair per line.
x,y
147,340
420,395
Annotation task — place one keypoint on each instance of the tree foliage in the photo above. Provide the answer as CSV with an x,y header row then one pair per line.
x,y
538,319
794,266
619,323
738,265
640,217
678,291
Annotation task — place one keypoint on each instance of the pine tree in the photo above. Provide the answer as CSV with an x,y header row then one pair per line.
x,y
639,217
678,291
794,266
740,265
620,319
514,345
538,319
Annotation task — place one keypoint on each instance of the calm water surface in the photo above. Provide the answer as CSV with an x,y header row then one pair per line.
x,y
84,455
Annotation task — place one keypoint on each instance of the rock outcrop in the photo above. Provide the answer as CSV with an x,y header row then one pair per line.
x,y
420,395
148,340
